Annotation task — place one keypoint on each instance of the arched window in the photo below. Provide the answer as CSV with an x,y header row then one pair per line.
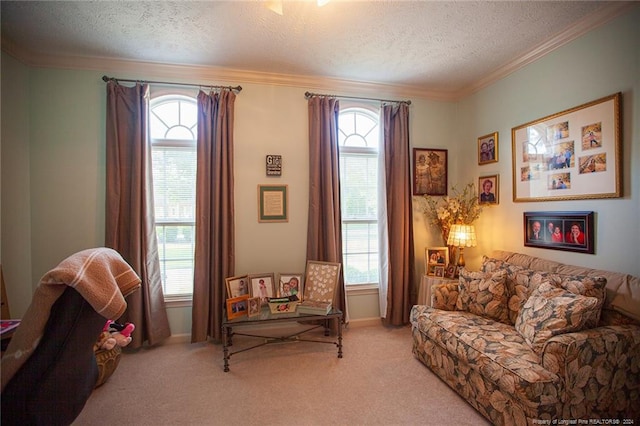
x,y
173,121
359,140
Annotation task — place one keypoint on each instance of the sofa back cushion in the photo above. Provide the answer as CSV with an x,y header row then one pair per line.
x,y
521,281
622,290
484,294
552,310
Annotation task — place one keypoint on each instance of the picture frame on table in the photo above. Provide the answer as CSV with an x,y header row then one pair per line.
x,y
290,284
237,286
320,280
435,257
430,171
254,307
237,307
451,272
570,155
488,148
262,286
489,189
273,203
439,271
567,231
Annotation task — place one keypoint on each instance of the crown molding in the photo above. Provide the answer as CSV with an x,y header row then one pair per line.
x,y
607,13
208,75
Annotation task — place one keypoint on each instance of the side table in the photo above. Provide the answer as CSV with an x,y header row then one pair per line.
x,y
424,291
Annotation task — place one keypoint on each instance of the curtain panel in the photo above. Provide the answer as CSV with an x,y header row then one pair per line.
x,y
397,159
324,232
215,239
129,227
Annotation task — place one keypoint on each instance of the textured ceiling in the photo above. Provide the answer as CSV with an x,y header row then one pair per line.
x,y
435,45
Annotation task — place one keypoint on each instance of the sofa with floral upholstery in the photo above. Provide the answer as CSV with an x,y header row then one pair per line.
x,y
528,341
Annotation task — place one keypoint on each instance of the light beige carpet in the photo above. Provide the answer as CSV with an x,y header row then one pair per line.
x,y
377,382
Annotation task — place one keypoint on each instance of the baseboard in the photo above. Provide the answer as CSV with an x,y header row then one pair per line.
x,y
364,322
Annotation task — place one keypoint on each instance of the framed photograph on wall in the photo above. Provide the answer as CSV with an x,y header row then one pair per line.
x,y
262,286
568,231
489,189
435,257
488,148
290,284
430,171
571,155
273,203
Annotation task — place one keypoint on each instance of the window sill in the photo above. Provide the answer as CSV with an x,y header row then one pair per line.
x,y
178,301
362,289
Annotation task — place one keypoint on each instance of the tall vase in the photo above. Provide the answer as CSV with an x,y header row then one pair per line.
x,y
452,254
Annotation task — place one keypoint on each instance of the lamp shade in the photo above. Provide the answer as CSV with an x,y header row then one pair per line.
x,y
462,236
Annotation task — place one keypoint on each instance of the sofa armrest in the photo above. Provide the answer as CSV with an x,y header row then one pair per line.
x,y
600,368
444,296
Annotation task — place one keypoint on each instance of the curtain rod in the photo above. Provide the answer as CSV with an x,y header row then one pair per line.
x,y
308,95
106,79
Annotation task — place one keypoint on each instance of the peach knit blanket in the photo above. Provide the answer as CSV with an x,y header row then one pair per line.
x,y
100,275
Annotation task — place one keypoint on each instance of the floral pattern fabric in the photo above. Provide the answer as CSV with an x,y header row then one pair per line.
x,y
550,311
586,374
483,294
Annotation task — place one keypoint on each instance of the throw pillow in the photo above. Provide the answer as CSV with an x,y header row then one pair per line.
x,y
552,310
484,294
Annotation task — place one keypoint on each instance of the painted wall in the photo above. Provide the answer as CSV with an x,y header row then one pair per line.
x,y
53,160
601,63
55,170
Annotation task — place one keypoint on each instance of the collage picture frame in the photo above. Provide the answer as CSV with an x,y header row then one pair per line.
x,y
570,155
567,231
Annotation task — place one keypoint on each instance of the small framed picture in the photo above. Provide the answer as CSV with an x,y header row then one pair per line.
x,y
290,284
433,257
430,171
254,307
262,286
273,203
489,189
439,271
451,272
237,286
488,148
237,307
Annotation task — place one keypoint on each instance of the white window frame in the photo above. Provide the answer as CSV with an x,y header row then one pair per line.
x,y
189,144
373,152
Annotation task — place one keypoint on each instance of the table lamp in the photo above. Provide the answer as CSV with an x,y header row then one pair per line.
x,y
462,236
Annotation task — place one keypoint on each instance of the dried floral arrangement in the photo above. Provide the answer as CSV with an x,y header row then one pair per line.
x,y
463,207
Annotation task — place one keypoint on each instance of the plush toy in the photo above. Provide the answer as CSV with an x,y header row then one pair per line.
x,y
114,334
122,333
105,341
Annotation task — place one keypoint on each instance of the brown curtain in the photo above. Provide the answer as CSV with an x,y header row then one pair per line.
x,y
324,233
129,227
215,240
400,297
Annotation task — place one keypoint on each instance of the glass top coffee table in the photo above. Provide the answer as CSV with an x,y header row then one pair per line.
x,y
234,327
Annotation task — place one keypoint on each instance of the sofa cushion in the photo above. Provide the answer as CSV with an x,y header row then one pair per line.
x,y
495,350
552,310
584,286
521,281
484,294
